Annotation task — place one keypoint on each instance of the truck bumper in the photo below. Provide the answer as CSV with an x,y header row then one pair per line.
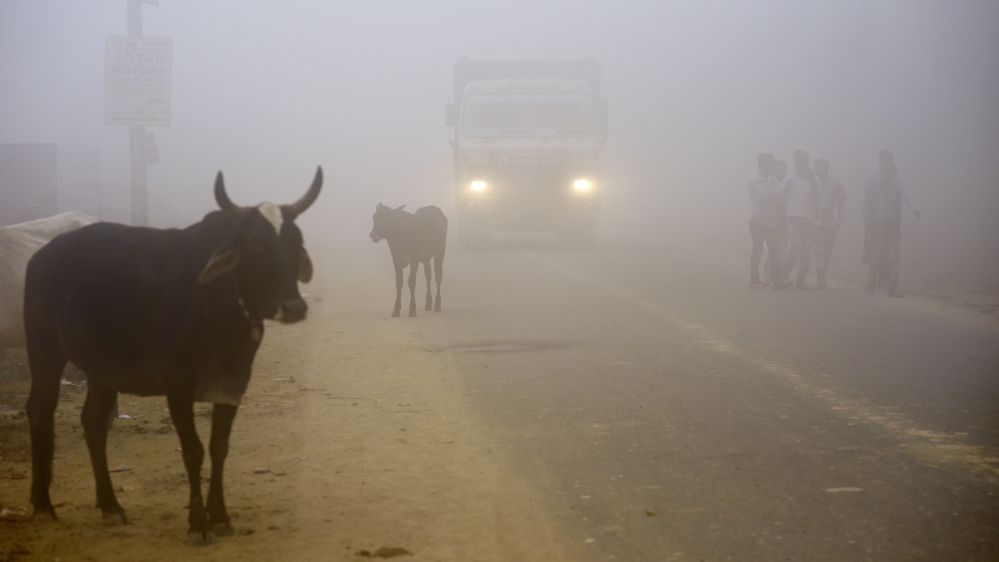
x,y
527,212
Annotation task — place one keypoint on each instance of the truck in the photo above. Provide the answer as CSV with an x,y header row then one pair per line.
x,y
527,137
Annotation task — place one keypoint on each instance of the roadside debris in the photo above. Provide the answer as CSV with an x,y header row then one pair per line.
x,y
13,514
384,552
121,468
261,470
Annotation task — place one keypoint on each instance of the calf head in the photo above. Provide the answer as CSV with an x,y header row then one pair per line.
x,y
385,219
266,255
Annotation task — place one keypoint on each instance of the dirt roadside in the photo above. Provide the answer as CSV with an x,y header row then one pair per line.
x,y
369,447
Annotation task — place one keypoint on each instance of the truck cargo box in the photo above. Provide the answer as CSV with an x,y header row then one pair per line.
x,y
467,70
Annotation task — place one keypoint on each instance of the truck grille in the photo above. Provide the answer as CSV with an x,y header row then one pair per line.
x,y
527,177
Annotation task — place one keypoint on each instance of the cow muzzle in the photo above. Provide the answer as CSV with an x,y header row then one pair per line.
x,y
292,311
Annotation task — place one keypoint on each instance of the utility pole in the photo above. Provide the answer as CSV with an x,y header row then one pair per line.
x,y
137,74
139,191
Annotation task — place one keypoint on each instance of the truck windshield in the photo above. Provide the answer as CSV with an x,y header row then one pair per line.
x,y
528,115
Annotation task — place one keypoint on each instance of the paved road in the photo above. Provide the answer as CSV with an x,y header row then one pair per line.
x,y
672,413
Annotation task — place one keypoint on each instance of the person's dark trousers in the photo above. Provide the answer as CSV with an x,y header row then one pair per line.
x,y
799,235
826,239
761,235
884,258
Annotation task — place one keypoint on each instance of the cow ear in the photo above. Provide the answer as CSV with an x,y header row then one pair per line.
x,y
304,267
219,263
401,207
379,207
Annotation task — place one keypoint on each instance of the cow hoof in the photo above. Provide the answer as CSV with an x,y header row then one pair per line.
x,y
428,308
412,313
115,518
395,314
44,515
223,529
437,308
199,538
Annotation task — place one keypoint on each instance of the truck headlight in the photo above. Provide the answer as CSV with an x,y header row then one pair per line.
x,y
478,185
582,185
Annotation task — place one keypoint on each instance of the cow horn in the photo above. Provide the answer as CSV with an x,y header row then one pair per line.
x,y
299,207
222,198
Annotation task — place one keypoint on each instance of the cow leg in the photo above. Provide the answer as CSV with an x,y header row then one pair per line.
x,y
398,287
438,273
426,273
182,413
113,413
46,371
414,265
97,407
218,448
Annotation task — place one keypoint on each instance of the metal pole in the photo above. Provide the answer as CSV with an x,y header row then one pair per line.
x,y
139,192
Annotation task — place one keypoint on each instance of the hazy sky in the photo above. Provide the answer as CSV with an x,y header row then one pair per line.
x,y
265,91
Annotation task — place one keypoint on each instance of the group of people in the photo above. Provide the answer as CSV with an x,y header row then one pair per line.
x,y
799,215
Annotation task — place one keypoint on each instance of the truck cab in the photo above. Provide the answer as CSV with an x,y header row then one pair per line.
x,y
527,137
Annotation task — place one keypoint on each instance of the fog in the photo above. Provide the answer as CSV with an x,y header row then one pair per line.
x,y
265,91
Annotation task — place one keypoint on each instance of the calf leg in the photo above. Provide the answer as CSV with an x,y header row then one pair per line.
x,y
182,412
46,370
426,273
218,448
98,406
413,266
438,273
398,288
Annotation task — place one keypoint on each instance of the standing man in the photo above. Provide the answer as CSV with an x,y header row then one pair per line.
x,y
888,157
832,211
780,172
883,229
765,194
803,199
873,179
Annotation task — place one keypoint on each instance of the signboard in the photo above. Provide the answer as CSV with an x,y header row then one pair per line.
x,y
137,75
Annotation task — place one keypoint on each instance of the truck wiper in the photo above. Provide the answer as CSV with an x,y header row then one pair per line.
x,y
519,132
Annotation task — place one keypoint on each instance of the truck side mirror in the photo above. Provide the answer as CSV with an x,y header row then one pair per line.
x,y
451,115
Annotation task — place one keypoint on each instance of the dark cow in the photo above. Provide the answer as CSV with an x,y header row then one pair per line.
x,y
413,238
160,312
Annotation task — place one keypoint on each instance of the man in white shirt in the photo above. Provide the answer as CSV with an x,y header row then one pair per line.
x,y
803,198
765,194
780,172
